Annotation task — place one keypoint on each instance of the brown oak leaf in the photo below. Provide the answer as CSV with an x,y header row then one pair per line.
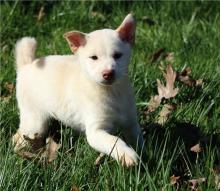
x,y
194,183
167,91
186,79
196,148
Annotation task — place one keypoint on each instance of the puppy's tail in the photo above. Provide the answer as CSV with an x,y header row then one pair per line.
x,y
25,51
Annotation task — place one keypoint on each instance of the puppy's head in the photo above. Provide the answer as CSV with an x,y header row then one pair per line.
x,y
104,54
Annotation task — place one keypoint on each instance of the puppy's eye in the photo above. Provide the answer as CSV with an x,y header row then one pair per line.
x,y
117,55
94,57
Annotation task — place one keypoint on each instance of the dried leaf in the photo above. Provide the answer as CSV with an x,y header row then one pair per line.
x,y
9,86
10,89
51,149
196,148
169,57
157,54
167,91
194,183
154,103
174,180
99,160
41,14
216,172
163,115
75,188
148,21
26,154
185,78
199,82
36,143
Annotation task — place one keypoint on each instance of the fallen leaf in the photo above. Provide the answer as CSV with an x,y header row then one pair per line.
x,y
196,148
186,79
99,159
51,149
194,183
26,154
167,91
199,82
165,111
148,21
154,103
157,55
216,172
36,143
174,180
9,91
75,188
169,57
9,86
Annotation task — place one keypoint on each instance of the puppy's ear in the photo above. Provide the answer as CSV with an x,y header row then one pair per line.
x,y
75,39
127,29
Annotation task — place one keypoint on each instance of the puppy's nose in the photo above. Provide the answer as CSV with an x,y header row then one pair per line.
x,y
108,75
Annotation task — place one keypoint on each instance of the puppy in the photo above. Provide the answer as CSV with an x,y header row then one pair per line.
x,y
89,91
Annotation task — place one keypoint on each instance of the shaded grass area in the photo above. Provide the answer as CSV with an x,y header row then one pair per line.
x,y
189,29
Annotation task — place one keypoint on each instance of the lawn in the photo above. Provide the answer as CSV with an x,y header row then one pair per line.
x,y
184,34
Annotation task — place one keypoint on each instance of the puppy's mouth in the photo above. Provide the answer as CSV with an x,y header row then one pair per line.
x,y
107,82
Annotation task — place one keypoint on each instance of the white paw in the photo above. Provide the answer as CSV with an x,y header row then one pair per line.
x,y
128,158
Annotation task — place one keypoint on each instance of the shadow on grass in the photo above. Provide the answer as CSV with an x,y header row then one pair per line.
x,y
183,143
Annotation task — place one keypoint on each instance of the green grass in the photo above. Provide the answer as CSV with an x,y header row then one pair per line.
x,y
189,29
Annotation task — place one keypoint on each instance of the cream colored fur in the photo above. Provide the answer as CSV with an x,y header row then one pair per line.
x,y
71,89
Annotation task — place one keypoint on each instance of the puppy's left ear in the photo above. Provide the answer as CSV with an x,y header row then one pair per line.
x,y
75,39
127,29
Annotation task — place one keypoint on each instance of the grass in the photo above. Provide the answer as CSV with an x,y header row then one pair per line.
x,y
189,29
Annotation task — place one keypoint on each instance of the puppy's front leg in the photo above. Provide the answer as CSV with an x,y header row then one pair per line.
x,y
134,137
103,142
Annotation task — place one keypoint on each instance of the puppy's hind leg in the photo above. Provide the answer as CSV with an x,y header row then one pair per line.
x,y
33,124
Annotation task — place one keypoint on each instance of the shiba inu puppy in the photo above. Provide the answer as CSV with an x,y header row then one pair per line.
x,y
89,90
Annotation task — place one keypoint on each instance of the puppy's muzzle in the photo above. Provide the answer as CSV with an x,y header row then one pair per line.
x,y
108,76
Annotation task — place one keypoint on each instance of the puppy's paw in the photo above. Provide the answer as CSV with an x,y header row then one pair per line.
x,y
129,158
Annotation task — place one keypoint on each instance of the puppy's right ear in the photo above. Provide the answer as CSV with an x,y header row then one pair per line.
x,y
75,39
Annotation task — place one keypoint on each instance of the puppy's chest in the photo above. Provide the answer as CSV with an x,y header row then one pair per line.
x,y
86,109
115,109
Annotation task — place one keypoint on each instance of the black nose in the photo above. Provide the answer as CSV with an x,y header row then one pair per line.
x,y
108,75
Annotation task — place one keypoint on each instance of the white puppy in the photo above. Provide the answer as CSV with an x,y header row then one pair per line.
x,y
89,90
